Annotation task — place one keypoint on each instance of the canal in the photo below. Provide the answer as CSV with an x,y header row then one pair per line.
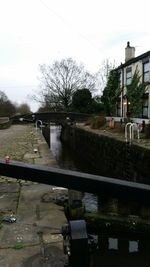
x,y
118,251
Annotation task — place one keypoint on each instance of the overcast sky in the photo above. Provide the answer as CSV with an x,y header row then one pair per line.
x,y
34,32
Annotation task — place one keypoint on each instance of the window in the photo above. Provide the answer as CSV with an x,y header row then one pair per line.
x,y
128,76
145,106
146,71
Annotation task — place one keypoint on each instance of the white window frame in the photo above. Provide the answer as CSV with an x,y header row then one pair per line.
x,y
146,72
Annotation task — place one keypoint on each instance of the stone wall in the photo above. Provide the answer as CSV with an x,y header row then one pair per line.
x,y
109,156
46,134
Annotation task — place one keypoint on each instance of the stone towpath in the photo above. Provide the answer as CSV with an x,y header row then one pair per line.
x,y
34,240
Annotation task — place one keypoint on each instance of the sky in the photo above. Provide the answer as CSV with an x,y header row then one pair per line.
x,y
34,32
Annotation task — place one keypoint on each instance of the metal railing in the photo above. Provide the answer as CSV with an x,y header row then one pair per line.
x,y
130,129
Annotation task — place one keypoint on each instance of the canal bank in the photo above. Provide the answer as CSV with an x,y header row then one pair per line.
x,y
36,232
109,154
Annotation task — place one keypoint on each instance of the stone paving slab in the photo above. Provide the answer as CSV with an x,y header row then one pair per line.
x,y
31,156
49,216
9,187
49,260
45,158
18,257
30,198
8,202
18,233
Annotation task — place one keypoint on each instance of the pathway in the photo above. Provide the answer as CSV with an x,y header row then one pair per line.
x,y
35,239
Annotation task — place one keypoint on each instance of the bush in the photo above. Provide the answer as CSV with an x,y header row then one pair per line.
x,y
5,125
97,122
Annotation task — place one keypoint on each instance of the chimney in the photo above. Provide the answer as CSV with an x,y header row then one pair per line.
x,y
129,52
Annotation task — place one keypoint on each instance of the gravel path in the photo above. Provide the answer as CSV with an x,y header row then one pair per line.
x,y
16,141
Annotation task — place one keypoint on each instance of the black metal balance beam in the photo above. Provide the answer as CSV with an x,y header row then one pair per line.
x,y
84,182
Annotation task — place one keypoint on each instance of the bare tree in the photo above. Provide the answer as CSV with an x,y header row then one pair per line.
x,y
23,108
60,80
7,108
3,97
103,74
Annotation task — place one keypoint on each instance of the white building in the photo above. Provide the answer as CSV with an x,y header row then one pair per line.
x,y
126,70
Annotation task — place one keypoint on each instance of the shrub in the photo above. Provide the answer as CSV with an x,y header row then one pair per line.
x,y
97,122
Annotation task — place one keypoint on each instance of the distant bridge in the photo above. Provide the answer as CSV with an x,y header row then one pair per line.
x,y
55,117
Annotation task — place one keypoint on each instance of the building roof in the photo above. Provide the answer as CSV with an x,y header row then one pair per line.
x,y
133,60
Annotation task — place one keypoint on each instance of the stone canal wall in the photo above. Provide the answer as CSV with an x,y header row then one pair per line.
x,y
108,155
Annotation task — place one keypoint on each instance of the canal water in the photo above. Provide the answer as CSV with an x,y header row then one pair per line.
x,y
110,251
66,159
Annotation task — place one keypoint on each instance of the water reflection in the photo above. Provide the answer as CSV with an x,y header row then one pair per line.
x,y
117,244
121,252
66,159
62,154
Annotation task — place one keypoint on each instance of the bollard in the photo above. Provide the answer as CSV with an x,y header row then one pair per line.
x,y
76,243
7,159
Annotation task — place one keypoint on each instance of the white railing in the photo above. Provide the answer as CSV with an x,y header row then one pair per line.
x,y
41,124
130,129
